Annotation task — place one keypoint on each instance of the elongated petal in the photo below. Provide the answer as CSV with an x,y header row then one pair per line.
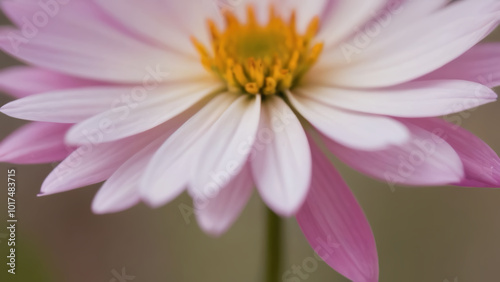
x,y
356,130
150,15
101,50
480,64
121,190
147,111
424,160
281,160
226,147
167,174
413,51
35,143
335,225
22,81
413,99
481,163
93,163
217,213
68,106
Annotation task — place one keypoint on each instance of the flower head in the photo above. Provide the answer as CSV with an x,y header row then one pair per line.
x,y
158,97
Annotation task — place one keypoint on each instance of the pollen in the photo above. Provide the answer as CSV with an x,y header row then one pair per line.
x,y
260,59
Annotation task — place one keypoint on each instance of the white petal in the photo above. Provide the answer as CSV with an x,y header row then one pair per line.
x,y
166,22
216,214
226,146
80,40
121,190
398,13
167,175
480,64
22,81
342,18
413,99
34,143
92,163
149,110
281,162
355,130
66,106
412,51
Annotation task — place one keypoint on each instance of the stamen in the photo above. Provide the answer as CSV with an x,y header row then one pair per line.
x,y
312,28
260,59
240,75
252,88
251,16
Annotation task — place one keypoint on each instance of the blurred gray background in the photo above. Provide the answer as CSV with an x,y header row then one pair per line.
x,y
435,234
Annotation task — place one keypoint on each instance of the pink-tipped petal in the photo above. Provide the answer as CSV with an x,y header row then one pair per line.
x,y
22,81
481,163
216,213
425,159
93,163
167,174
147,110
121,190
69,106
281,160
335,225
413,99
480,64
35,142
352,129
226,147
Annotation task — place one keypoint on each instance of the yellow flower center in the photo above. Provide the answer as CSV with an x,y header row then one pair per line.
x,y
260,59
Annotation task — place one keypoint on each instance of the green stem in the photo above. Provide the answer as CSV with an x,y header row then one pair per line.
x,y
273,248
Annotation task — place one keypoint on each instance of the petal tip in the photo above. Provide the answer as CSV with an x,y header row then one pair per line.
x,y
150,201
212,229
99,208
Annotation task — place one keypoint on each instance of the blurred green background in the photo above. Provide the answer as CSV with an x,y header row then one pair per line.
x,y
441,234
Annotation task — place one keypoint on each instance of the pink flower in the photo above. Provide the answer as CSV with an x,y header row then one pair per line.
x,y
153,99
